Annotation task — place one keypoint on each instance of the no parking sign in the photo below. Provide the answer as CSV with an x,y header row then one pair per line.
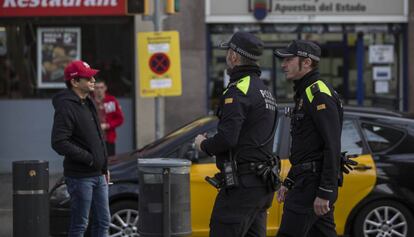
x,y
159,64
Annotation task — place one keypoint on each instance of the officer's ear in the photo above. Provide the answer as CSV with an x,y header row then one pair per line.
x,y
233,55
307,63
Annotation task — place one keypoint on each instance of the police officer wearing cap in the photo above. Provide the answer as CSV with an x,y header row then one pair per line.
x,y
247,113
311,187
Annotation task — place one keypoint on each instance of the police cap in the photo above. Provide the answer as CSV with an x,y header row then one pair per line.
x,y
245,44
301,48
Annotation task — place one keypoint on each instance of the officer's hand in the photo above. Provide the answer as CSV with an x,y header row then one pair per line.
x,y
347,164
321,206
281,194
198,140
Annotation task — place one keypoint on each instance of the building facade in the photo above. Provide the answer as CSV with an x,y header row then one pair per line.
x,y
364,44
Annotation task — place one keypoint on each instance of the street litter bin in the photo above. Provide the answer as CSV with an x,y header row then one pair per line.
x,y
30,198
164,197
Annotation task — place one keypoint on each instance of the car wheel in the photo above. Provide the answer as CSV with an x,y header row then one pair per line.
x,y
124,219
384,219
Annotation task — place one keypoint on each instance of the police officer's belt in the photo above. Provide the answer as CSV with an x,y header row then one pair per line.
x,y
313,167
246,168
252,167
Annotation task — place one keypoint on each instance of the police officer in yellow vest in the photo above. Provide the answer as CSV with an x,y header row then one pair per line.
x,y
311,187
243,145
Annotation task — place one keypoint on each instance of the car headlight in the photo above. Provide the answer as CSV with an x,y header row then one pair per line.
x,y
60,194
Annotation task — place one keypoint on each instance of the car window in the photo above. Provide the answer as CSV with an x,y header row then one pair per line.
x,y
173,154
276,141
350,139
381,138
177,133
282,137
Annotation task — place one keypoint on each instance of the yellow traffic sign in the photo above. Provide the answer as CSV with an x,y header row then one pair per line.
x,y
159,64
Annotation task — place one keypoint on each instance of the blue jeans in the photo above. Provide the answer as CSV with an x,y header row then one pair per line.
x,y
87,193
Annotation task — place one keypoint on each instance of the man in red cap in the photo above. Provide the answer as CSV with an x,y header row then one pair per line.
x,y
77,136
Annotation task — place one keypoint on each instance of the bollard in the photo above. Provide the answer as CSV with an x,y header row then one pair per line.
x,y
30,198
164,197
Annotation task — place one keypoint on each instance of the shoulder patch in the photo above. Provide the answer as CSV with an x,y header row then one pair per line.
x,y
243,84
321,107
315,88
228,100
318,86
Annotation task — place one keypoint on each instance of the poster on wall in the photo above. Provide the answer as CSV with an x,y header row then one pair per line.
x,y
3,42
382,87
56,47
381,73
381,54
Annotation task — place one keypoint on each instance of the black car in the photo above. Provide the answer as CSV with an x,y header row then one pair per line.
x,y
377,198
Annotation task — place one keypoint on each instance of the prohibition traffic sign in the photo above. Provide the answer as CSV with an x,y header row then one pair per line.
x,y
159,63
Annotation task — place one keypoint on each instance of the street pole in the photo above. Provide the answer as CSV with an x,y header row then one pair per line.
x,y
157,20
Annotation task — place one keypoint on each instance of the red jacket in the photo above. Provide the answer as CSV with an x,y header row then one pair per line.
x,y
111,113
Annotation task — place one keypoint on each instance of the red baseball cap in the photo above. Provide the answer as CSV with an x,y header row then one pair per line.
x,y
77,69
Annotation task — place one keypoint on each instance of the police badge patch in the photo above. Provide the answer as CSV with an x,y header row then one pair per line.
x,y
228,100
321,107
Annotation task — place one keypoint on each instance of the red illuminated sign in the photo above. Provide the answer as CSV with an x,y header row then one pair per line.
x,y
13,8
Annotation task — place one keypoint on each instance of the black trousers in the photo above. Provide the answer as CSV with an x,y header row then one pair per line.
x,y
299,218
110,147
241,211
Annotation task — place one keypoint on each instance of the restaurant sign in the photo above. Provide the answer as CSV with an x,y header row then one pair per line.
x,y
24,8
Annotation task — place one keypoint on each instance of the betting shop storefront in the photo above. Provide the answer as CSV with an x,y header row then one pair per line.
x,y
364,44
39,37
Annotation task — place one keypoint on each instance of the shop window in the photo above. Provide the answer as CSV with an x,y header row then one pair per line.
x,y
377,93
338,63
111,55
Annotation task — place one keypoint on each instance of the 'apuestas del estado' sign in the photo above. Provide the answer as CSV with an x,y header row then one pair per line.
x,y
309,10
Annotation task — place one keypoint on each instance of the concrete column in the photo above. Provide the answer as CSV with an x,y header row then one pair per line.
x,y
144,107
411,56
190,22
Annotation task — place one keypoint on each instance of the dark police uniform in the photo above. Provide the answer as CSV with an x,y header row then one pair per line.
x,y
316,125
247,112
